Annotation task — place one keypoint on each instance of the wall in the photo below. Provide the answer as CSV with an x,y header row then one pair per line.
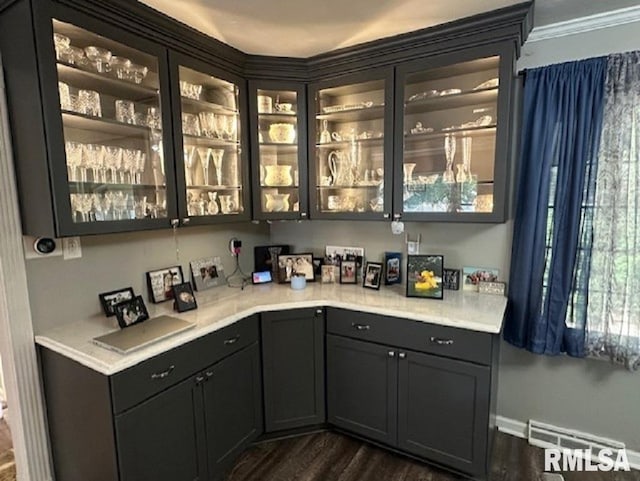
x,y
66,290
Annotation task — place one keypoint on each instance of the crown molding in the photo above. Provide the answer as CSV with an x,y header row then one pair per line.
x,y
598,21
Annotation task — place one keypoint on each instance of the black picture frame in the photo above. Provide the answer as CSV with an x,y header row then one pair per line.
x,y
290,264
372,278
131,312
318,262
424,276
160,290
451,279
348,272
108,300
262,256
392,268
184,299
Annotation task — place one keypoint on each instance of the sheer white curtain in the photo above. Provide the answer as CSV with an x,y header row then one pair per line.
x,y
613,312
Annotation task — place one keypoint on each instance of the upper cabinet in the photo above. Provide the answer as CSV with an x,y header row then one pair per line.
x,y
212,169
452,137
350,141
277,112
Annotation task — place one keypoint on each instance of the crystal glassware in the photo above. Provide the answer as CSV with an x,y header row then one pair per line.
x,y
89,103
121,66
65,96
61,44
190,124
407,170
189,161
217,155
75,56
153,118
113,161
137,73
140,207
204,153
74,158
466,157
94,160
100,57
230,127
141,163
450,153
189,90
212,207
125,111
207,124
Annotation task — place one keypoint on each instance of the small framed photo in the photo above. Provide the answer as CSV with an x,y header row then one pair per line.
x,y
317,266
328,274
108,300
184,298
131,312
161,283
473,275
295,264
372,275
207,272
266,256
451,279
348,272
495,288
392,263
424,276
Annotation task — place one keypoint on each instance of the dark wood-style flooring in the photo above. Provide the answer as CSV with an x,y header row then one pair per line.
x,y
327,456
7,464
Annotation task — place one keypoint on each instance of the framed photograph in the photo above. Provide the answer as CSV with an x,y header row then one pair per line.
x,y
424,276
108,300
207,272
473,275
298,264
451,279
495,288
131,312
264,257
372,275
161,283
328,274
348,272
335,254
317,266
184,298
392,272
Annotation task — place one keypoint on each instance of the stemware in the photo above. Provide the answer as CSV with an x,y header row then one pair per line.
x,y
207,124
153,118
450,153
96,201
230,127
325,135
99,56
140,207
86,206
94,160
137,73
466,157
141,163
217,155
122,66
189,161
212,206
74,158
407,170
190,124
189,90
113,160
204,153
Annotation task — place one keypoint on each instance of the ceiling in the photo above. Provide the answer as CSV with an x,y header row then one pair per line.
x,y
302,28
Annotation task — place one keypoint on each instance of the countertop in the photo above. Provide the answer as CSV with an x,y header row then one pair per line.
x,y
222,306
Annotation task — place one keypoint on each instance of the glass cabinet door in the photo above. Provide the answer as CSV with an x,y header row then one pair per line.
x,y
352,153
449,117
279,160
211,133
110,104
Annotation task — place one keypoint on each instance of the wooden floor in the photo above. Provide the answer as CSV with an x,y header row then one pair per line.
x,y
7,464
5,437
328,456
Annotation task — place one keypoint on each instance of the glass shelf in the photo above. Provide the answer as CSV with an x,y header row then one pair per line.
x,y
471,97
365,113
103,125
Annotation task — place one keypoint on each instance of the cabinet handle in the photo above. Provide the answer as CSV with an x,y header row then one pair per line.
x,y
231,340
303,214
318,311
386,215
163,374
199,379
402,355
360,327
208,374
441,342
186,220
397,216
391,353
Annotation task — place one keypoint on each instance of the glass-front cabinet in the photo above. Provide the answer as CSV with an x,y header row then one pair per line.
x,y
450,148
279,161
211,170
350,143
113,126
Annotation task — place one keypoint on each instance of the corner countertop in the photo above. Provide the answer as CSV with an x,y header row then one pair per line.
x,y
222,306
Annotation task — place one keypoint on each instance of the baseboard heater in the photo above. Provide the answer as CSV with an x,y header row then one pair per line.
x,y
548,436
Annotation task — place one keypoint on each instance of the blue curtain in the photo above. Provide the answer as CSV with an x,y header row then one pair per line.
x,y
562,122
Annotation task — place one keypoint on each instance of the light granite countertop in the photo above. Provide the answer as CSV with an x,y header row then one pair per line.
x,y
222,306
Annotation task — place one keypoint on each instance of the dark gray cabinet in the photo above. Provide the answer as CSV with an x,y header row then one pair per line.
x,y
293,368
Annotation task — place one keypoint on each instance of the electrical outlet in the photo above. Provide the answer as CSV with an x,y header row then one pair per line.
x,y
71,248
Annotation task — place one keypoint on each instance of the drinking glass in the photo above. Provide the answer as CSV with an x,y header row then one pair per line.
x,y
74,158
137,73
140,207
207,124
153,118
466,157
94,160
65,97
113,160
217,155
189,161
61,44
125,111
141,162
99,57
190,124
96,200
230,127
75,56
189,90
212,206
204,153
121,66
450,153
89,103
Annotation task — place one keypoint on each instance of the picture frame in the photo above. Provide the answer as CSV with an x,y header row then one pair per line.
x,y
108,300
265,256
348,272
424,276
451,279
392,268
494,288
290,264
207,273
317,266
184,299
471,276
161,282
328,274
335,254
372,275
131,312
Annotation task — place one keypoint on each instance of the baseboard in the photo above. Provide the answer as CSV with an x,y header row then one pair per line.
x,y
519,429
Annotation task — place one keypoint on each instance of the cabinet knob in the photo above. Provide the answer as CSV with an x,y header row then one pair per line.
x,y
318,311
303,214
386,215
186,220
391,353
397,216
175,222
402,355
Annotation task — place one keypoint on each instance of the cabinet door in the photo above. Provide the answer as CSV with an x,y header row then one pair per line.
x,y
232,407
106,106
351,146
210,141
293,368
161,439
453,136
278,123
362,388
443,410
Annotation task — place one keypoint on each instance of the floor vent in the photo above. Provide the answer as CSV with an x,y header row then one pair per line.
x,y
548,436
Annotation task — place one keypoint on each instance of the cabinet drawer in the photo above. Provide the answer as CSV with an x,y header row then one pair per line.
x,y
139,382
419,336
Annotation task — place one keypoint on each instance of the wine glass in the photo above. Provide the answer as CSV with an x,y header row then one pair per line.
x,y
74,158
99,56
212,207
94,154
230,127
189,161
217,155
128,164
204,153
141,162
450,153
466,157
